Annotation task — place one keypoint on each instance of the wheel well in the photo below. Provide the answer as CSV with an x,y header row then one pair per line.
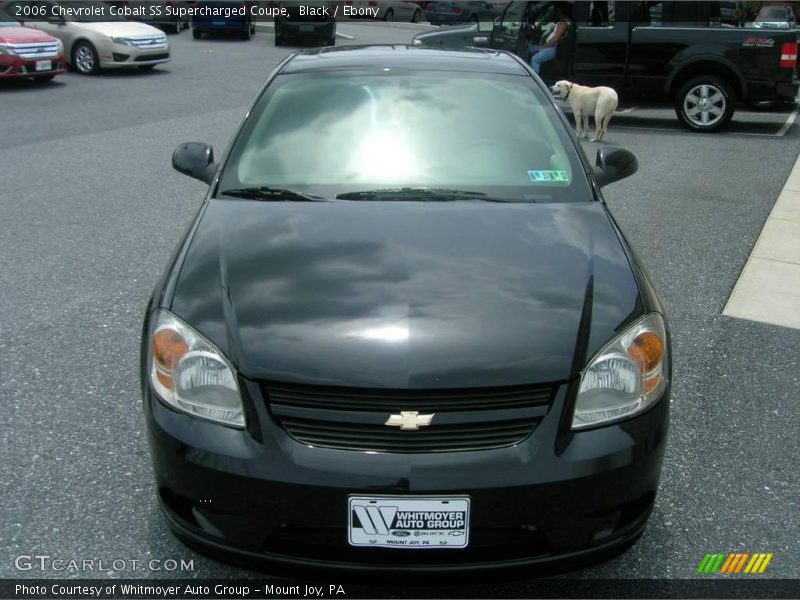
x,y
700,68
75,43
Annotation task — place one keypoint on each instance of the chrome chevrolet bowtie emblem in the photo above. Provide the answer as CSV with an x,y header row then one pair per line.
x,y
409,420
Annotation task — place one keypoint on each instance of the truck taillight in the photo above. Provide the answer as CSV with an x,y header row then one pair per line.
x,y
789,55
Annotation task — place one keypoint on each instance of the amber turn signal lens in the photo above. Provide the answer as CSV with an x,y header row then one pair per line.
x,y
168,348
647,350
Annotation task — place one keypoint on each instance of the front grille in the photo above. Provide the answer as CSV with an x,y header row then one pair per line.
x,y
355,418
149,42
37,50
381,438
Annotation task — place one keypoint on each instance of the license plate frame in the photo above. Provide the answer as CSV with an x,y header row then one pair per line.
x,y
43,65
408,522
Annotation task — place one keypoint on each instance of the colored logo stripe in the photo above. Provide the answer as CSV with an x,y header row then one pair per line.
x,y
733,562
758,563
710,563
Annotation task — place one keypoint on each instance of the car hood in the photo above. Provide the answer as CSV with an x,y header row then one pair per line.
x,y
405,294
119,28
24,35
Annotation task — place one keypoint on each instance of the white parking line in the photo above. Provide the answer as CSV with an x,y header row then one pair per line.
x,y
627,110
789,122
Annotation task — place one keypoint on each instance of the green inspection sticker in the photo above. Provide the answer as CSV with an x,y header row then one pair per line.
x,y
548,176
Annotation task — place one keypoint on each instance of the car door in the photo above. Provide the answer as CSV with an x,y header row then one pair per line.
x,y
601,49
506,33
408,9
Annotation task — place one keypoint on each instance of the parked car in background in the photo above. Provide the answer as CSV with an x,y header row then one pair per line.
x,y
93,38
159,14
775,16
315,25
223,17
389,10
451,13
28,53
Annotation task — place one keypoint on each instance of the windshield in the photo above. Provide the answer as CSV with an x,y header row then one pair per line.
x,y
7,21
334,134
772,13
87,11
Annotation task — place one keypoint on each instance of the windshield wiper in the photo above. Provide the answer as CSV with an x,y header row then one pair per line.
x,y
427,194
271,194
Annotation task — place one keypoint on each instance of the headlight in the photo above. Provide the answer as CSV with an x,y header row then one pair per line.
x,y
60,46
191,375
5,49
416,42
123,41
625,377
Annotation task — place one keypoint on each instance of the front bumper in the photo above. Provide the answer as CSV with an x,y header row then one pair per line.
x,y
260,499
122,57
15,67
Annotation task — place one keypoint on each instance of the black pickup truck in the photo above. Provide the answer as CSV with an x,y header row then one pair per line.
x,y
677,51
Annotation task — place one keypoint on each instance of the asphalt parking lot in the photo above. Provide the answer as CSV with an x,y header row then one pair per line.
x,y
91,210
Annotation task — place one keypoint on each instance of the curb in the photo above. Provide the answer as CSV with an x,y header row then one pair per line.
x,y
768,288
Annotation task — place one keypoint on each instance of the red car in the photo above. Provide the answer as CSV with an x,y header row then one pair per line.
x,y
27,52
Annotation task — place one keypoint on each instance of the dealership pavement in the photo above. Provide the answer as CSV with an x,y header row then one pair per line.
x,y
768,289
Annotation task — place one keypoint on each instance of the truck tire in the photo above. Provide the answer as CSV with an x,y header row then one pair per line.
x,y
705,104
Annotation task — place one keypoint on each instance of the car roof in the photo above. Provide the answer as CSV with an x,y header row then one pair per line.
x,y
401,56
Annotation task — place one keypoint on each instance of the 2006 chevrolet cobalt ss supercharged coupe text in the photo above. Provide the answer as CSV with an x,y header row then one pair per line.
x,y
403,330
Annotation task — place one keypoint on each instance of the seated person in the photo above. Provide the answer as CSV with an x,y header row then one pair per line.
x,y
546,51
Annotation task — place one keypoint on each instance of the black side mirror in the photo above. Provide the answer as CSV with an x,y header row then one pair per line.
x,y
195,159
613,164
